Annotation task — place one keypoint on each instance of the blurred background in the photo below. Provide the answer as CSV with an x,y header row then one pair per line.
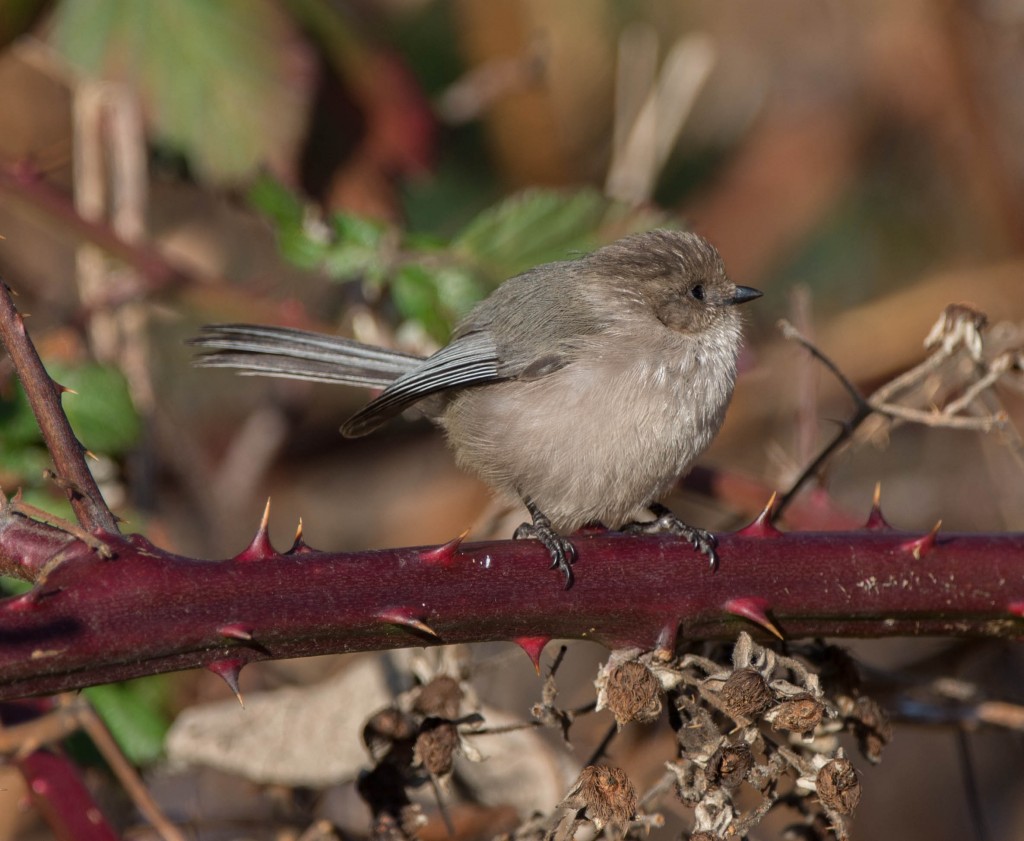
x,y
372,168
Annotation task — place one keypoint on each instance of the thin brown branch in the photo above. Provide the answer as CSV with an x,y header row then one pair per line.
x,y
27,188
941,418
862,411
44,397
911,377
127,775
71,714
20,740
958,330
790,332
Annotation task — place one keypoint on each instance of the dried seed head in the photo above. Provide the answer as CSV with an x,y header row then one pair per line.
x,y
441,697
798,715
386,727
838,786
728,765
958,325
436,745
872,727
605,794
633,693
745,694
387,731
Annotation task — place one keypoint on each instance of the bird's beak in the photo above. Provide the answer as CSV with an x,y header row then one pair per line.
x,y
744,294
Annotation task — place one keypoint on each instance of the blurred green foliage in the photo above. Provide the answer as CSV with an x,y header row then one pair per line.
x,y
434,282
100,408
199,67
101,414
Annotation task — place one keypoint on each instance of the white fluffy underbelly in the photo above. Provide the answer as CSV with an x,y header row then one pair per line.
x,y
591,442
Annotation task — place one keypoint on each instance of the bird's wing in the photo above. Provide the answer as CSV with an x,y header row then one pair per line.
x,y
471,359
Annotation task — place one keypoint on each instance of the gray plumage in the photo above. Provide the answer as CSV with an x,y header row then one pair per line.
x,y
588,386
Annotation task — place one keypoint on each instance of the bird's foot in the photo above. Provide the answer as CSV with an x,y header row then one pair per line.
x,y
665,522
563,553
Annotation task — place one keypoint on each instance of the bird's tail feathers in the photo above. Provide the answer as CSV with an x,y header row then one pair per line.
x,y
299,354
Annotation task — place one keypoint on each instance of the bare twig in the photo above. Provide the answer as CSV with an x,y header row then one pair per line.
x,y
602,747
73,713
526,725
127,775
44,398
26,187
971,793
958,330
790,332
19,506
21,739
862,411
940,418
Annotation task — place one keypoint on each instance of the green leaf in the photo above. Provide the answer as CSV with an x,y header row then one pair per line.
x,y
356,250
532,227
135,714
216,78
18,427
25,462
344,261
101,414
45,495
358,231
458,289
10,586
101,411
302,250
271,198
414,291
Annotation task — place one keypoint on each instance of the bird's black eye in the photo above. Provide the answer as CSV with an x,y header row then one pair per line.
x,y
698,292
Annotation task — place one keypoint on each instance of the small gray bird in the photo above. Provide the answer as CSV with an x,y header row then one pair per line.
x,y
585,387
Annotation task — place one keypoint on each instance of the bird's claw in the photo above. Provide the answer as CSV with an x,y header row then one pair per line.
x,y
666,522
561,549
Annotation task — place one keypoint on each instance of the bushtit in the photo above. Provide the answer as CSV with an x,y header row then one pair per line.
x,y
585,387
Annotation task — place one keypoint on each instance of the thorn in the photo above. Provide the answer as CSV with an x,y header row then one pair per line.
x,y
299,546
261,546
444,553
755,609
229,670
668,635
921,546
63,389
763,525
404,617
92,455
236,631
24,603
876,522
1017,609
533,646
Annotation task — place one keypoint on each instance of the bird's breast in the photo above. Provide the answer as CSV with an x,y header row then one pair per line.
x,y
597,439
